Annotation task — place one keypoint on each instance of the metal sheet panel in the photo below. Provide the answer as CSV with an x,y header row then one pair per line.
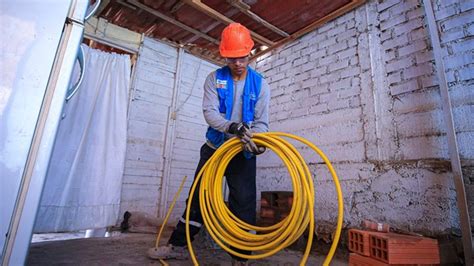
x,y
38,61
33,30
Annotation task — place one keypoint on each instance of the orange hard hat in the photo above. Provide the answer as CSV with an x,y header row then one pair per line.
x,y
235,41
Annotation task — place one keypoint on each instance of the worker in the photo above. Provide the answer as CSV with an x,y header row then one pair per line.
x,y
235,103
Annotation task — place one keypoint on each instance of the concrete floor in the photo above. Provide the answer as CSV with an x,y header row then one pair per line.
x,y
131,248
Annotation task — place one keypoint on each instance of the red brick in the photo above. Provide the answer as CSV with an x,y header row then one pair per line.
x,y
264,202
359,242
285,202
267,212
284,215
359,260
373,226
266,221
277,198
402,249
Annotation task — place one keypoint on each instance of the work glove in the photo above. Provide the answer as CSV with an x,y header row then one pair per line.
x,y
253,148
242,131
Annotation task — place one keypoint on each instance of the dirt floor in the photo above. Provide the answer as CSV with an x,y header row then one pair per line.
x,y
131,248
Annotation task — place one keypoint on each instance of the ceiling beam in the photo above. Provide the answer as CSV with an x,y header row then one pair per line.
x,y
150,30
244,8
172,20
200,55
197,4
176,6
338,12
123,3
214,24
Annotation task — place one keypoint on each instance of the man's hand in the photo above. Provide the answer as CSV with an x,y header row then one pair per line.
x,y
242,131
253,148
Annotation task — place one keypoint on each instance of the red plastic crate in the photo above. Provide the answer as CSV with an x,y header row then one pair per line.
x,y
403,249
359,241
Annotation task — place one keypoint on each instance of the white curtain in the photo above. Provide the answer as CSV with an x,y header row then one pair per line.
x,y
84,178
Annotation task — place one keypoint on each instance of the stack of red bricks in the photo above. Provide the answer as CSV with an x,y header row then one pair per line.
x,y
379,248
274,206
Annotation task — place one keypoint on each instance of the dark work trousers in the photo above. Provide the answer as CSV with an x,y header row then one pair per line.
x,y
240,175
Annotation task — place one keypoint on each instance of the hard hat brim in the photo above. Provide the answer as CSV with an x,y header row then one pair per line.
x,y
235,53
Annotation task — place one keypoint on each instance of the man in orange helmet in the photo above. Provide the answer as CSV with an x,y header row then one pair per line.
x,y
235,103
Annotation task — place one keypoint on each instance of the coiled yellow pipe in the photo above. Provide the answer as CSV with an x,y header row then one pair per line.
x,y
227,230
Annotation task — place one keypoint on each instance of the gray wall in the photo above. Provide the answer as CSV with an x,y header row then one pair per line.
x,y
364,89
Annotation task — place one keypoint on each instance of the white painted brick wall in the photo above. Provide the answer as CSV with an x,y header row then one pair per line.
x,y
456,24
323,86
379,119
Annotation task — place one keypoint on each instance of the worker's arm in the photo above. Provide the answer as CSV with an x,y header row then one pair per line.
x,y
210,105
260,123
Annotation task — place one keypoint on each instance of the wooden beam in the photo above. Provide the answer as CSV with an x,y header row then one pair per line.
x,y
150,29
176,6
244,8
197,4
110,42
213,25
453,149
239,4
171,20
197,53
123,3
338,12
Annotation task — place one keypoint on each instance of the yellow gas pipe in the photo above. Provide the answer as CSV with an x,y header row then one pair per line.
x,y
227,230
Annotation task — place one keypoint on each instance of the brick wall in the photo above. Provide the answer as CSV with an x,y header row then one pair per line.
x,y
456,24
363,87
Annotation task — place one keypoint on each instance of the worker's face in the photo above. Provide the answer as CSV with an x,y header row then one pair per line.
x,y
237,65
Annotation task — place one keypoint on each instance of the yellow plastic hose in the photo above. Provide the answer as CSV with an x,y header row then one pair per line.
x,y
165,221
163,225
227,230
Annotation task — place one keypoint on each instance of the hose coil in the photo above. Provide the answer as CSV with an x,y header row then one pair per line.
x,y
227,230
